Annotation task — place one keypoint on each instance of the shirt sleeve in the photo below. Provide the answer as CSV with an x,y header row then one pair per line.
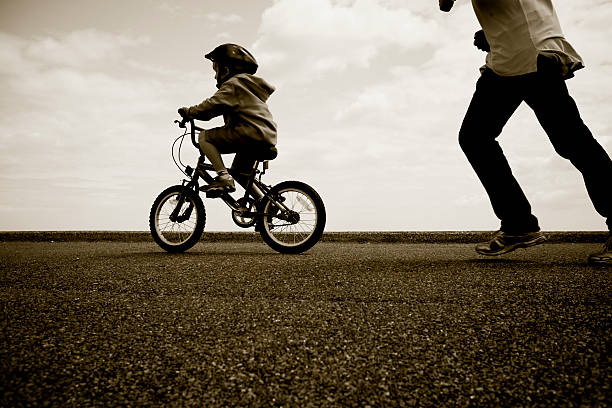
x,y
223,101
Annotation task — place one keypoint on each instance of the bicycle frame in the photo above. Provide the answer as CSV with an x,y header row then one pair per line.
x,y
202,169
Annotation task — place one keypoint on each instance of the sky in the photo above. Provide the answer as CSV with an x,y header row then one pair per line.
x,y
370,95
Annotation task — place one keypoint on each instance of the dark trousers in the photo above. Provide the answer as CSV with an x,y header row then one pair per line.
x,y
494,101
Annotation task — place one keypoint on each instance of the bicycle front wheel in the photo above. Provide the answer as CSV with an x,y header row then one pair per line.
x,y
300,225
177,219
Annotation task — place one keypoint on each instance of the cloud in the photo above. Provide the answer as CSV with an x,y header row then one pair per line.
x,y
377,91
172,9
212,18
319,36
80,48
223,18
370,97
74,125
374,67
69,77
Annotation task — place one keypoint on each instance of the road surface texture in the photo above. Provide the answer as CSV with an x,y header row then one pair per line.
x,y
232,323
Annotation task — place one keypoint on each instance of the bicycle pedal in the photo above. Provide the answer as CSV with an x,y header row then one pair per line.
x,y
214,194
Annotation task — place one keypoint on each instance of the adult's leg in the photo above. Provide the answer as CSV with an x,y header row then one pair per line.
x,y
494,101
558,114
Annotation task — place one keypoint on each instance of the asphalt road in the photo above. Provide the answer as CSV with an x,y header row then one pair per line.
x,y
346,324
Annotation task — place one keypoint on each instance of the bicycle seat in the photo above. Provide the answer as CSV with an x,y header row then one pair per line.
x,y
268,153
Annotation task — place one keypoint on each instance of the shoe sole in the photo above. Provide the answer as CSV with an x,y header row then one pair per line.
x,y
216,193
525,244
600,261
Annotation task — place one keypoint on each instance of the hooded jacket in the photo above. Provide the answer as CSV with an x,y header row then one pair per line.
x,y
242,102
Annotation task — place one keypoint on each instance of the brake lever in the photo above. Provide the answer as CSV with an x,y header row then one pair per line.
x,y
181,123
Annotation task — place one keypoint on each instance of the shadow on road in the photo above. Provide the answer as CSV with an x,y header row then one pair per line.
x,y
500,261
525,262
198,254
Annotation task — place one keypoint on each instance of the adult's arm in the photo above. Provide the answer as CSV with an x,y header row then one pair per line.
x,y
446,5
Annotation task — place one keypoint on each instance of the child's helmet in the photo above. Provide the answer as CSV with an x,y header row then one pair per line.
x,y
235,57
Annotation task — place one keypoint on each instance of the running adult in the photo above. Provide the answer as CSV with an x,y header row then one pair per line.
x,y
528,59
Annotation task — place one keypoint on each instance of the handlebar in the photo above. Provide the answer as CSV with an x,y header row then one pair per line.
x,y
183,124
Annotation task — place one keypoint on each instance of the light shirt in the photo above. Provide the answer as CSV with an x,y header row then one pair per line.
x,y
520,30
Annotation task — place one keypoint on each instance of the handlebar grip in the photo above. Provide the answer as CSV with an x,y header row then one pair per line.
x,y
193,138
182,125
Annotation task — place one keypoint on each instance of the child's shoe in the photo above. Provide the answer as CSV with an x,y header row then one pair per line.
x,y
503,243
604,257
220,185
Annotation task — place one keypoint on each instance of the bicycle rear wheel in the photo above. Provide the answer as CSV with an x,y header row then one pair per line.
x,y
186,209
298,228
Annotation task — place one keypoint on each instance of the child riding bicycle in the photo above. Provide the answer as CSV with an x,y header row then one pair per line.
x,y
241,99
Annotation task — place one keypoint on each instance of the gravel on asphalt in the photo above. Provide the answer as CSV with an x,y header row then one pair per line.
x,y
350,324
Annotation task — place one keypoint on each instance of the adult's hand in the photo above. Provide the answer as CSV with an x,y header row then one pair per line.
x,y
446,5
480,41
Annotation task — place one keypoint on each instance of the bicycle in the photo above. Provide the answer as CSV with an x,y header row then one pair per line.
x,y
290,216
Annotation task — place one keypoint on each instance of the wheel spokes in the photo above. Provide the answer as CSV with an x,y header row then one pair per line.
x,y
175,232
294,233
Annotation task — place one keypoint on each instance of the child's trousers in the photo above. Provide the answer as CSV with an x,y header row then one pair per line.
x,y
494,101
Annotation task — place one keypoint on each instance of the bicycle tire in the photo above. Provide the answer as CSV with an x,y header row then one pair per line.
x,y
293,238
177,236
